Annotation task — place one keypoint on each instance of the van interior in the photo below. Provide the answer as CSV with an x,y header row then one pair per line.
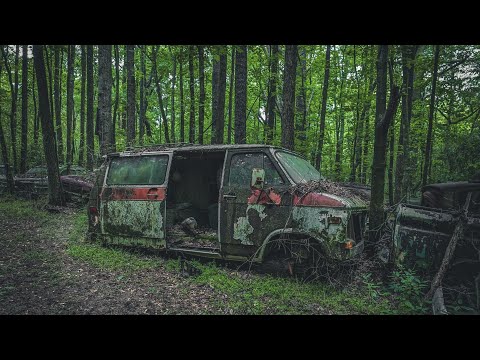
x,y
192,199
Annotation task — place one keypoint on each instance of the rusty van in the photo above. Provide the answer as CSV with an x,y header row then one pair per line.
x,y
229,202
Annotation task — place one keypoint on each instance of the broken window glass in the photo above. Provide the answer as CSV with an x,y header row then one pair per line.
x,y
242,165
299,169
138,170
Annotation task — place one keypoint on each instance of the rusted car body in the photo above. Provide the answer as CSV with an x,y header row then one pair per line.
x,y
244,194
422,232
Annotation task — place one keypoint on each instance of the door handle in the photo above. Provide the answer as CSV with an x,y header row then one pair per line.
x,y
152,193
229,196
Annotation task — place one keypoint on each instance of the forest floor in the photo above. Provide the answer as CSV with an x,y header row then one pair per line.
x,y
46,267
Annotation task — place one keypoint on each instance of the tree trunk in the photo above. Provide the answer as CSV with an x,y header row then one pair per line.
x,y
23,151
141,121
81,150
129,64
159,94
90,129
289,77
172,117
428,146
383,119
201,99
50,78
191,81
70,104
323,112
105,96
408,68
3,148
241,95
36,117
219,85
182,107
55,191
230,96
301,106
271,94
340,123
117,98
58,109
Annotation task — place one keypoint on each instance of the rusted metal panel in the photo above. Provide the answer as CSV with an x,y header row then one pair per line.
x,y
129,193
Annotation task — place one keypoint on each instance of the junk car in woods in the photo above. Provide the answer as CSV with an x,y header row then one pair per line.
x,y
422,232
231,202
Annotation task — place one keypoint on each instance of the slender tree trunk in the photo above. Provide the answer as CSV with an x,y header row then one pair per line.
x,y
55,191
357,126
219,84
391,164
81,150
129,64
141,122
4,150
289,77
105,96
182,107
58,108
271,93
215,75
191,80
428,146
36,117
340,125
50,78
230,96
160,97
383,119
241,95
323,112
172,117
301,105
117,98
23,151
70,104
201,100
90,128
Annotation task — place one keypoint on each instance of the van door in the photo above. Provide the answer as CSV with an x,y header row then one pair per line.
x,y
133,200
248,215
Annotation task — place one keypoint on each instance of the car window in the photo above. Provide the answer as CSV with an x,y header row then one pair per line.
x,y
241,167
300,170
138,170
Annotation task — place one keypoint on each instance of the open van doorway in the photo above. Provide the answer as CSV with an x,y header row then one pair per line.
x,y
192,200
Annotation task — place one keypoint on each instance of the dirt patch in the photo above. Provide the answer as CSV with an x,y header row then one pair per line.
x,y
38,276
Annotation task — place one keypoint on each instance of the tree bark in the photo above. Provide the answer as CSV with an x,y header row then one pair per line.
x,y
219,85
172,117
191,81
105,96
159,94
55,190
301,105
323,112
428,145
129,64
3,147
58,108
291,55
241,95
182,107
271,94
340,120
383,120
141,121
231,81
81,150
90,128
23,151
201,99
36,117
70,103
117,98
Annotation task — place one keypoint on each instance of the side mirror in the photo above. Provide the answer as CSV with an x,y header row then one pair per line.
x,y
258,178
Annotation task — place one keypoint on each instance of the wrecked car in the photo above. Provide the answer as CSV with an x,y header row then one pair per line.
x,y
422,232
232,202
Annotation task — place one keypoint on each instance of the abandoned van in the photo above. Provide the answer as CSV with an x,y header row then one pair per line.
x,y
232,202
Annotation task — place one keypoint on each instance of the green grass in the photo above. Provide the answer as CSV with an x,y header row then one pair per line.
x,y
14,208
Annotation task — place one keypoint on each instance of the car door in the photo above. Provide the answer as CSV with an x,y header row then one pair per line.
x,y
133,200
249,215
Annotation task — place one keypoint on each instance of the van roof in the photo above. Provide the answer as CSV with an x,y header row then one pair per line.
x,y
192,148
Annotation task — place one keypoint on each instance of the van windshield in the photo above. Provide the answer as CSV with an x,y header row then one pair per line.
x,y
300,170
138,170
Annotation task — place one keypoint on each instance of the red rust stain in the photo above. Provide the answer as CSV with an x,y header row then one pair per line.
x,y
315,199
264,197
152,194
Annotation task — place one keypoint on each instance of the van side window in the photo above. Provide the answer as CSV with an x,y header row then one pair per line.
x,y
241,167
138,170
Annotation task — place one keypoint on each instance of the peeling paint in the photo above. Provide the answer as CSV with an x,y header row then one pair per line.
x,y
242,229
